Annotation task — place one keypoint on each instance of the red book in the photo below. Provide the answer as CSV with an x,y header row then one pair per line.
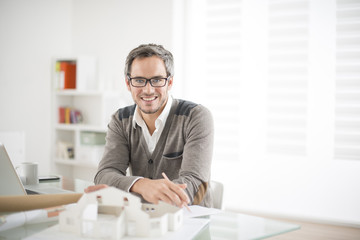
x,y
61,115
69,69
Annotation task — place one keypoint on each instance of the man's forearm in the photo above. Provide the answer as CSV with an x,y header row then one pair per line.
x,y
115,178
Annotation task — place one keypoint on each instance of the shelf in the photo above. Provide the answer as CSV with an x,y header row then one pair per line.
x,y
80,127
74,92
96,107
72,162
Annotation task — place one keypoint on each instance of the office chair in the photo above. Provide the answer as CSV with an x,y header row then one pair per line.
x,y
217,189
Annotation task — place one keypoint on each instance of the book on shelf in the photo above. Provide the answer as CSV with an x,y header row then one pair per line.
x,y
69,115
65,150
76,73
65,75
61,115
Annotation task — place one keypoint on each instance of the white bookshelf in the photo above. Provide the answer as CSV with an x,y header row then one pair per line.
x,y
75,163
80,127
96,108
74,92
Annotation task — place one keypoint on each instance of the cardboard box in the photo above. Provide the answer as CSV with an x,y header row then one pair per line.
x,y
31,202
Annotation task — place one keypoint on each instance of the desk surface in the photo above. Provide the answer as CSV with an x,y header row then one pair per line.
x,y
225,225
229,225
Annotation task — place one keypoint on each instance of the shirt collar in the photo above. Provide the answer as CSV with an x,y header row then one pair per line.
x,y
161,119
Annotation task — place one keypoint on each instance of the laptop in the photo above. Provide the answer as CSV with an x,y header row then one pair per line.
x,y
10,182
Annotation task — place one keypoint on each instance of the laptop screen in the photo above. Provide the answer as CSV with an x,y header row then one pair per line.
x,y
10,183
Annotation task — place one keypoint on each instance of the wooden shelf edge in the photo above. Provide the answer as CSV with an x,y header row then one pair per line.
x,y
80,127
75,163
76,92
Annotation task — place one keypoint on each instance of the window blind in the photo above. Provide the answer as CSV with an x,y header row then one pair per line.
x,y
222,49
284,103
287,76
347,108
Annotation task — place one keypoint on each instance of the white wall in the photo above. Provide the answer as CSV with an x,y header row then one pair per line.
x,y
110,29
31,33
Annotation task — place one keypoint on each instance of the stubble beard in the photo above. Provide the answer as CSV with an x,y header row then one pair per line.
x,y
152,111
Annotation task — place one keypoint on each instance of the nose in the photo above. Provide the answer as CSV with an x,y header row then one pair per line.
x,y
148,88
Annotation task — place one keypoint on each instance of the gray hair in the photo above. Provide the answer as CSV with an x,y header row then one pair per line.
x,y
149,50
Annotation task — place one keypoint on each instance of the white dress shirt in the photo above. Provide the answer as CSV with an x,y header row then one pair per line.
x,y
152,140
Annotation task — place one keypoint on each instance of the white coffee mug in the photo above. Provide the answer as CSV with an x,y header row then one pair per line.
x,y
29,170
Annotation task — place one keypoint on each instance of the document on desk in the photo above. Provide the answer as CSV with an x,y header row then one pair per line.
x,y
199,211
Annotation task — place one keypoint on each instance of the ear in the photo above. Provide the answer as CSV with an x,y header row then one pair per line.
x,y
170,83
127,83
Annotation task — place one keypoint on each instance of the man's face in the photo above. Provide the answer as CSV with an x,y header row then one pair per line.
x,y
150,100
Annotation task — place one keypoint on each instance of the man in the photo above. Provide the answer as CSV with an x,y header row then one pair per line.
x,y
158,135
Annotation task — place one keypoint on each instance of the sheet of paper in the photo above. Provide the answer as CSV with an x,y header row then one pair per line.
x,y
198,211
190,228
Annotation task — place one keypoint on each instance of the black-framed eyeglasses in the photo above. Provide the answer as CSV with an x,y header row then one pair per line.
x,y
141,81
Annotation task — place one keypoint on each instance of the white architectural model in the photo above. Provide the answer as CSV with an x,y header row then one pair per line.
x,y
111,213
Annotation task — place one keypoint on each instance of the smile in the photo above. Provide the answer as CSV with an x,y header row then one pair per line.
x,y
149,99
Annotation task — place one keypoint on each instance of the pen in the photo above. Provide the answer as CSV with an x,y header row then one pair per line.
x,y
164,175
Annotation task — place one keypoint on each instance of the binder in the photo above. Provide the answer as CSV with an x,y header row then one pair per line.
x,y
69,74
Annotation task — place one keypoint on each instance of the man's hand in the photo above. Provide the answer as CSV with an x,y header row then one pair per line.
x,y
95,188
161,189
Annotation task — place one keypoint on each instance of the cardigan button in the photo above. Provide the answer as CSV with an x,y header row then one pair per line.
x,y
150,161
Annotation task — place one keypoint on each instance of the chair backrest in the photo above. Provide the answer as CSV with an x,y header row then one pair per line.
x,y
217,189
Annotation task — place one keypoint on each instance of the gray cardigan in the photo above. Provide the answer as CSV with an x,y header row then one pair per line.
x,y
183,152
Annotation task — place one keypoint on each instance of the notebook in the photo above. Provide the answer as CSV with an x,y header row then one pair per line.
x,y
10,182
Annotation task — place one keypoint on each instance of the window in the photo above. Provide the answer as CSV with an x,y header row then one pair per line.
x,y
347,108
126,201
287,76
282,79
222,72
265,74
155,225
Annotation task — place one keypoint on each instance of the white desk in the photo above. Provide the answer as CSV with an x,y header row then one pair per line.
x,y
225,225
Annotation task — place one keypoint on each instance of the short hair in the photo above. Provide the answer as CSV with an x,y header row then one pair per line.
x,y
149,50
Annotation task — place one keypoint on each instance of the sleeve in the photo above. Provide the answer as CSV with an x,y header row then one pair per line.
x,y
197,154
112,168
